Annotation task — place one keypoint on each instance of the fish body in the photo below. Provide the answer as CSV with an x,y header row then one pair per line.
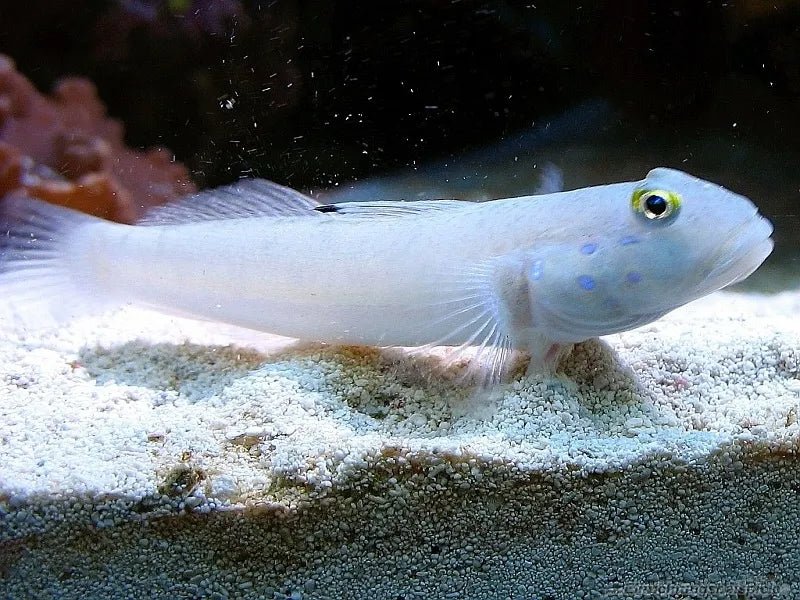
x,y
533,273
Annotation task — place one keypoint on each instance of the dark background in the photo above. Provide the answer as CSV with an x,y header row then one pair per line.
x,y
316,94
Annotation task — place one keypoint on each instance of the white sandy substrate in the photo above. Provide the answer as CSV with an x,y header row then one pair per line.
x,y
109,404
136,405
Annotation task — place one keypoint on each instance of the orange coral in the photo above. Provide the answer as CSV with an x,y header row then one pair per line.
x,y
66,150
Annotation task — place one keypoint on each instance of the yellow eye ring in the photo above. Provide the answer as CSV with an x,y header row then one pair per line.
x,y
656,204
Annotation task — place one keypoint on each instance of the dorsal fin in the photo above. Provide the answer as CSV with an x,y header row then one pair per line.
x,y
240,200
390,208
551,180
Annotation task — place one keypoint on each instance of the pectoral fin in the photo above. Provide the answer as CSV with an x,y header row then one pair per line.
x,y
472,322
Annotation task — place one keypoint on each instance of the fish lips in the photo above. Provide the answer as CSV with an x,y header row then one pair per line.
x,y
741,252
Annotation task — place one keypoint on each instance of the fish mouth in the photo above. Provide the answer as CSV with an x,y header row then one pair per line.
x,y
741,252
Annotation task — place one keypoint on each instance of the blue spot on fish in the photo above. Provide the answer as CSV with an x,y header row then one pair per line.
x,y
633,277
586,282
589,248
536,270
628,240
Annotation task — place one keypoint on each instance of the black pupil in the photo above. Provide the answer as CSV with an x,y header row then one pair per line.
x,y
656,205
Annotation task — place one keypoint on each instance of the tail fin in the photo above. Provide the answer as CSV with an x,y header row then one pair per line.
x,y
42,281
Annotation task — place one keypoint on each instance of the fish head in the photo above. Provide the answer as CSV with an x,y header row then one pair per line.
x,y
650,247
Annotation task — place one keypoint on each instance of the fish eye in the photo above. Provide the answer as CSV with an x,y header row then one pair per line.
x,y
656,204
